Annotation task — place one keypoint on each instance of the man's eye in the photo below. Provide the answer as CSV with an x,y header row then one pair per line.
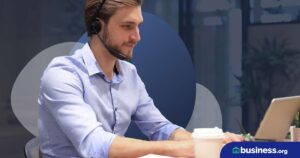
x,y
127,26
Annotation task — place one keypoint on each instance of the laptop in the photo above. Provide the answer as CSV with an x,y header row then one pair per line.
x,y
278,118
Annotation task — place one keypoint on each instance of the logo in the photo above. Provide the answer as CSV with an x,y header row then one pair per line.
x,y
236,150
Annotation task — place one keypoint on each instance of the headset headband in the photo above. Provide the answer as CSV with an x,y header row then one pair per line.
x,y
98,9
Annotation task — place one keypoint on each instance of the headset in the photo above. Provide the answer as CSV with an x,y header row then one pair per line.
x,y
96,28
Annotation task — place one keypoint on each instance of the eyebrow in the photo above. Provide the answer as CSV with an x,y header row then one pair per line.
x,y
131,22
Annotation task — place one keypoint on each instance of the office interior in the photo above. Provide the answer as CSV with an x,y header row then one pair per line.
x,y
245,52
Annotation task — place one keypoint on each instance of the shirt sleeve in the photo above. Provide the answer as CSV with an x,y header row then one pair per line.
x,y
62,94
149,119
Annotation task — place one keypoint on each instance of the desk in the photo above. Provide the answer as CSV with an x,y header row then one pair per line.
x,y
154,156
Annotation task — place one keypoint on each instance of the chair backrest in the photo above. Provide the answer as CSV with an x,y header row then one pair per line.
x,y
32,148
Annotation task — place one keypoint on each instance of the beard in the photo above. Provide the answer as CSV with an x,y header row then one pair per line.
x,y
107,40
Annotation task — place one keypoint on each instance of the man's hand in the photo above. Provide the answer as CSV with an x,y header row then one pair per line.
x,y
182,134
231,137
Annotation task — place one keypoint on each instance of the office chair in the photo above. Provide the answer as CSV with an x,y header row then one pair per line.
x,y
32,148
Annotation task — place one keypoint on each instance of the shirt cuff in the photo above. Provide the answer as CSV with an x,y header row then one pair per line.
x,y
97,144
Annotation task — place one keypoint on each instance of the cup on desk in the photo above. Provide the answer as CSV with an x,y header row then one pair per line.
x,y
295,134
208,142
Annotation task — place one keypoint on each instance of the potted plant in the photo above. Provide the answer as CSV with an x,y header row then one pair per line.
x,y
297,120
266,66
295,130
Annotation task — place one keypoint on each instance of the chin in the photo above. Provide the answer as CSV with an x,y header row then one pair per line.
x,y
128,53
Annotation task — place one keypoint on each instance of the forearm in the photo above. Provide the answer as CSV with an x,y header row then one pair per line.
x,y
128,147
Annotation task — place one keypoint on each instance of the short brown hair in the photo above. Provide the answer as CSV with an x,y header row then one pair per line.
x,y
106,11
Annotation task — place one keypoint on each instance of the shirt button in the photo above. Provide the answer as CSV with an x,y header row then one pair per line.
x,y
116,109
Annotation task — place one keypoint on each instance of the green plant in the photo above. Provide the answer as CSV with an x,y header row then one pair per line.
x,y
269,70
297,120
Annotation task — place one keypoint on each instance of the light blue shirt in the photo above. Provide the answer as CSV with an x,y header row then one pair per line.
x,y
81,111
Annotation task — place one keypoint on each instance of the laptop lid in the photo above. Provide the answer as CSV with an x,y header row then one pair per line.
x,y
278,118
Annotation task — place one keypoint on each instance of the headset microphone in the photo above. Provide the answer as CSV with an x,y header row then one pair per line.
x,y
113,51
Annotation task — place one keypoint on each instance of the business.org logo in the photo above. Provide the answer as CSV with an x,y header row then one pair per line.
x,y
258,150
236,150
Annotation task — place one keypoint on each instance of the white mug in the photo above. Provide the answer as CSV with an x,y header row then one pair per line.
x,y
208,142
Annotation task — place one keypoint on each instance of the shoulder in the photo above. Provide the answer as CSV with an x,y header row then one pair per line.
x,y
60,64
61,70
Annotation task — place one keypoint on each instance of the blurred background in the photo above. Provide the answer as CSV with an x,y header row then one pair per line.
x,y
246,52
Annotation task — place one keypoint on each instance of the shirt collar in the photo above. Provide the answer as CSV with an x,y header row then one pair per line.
x,y
93,67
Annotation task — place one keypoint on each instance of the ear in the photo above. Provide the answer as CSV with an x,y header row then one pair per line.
x,y
101,23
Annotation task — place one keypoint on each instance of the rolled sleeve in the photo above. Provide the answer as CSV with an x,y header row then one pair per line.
x,y
97,144
165,133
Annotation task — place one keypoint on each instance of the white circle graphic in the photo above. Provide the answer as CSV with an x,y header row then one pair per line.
x,y
26,87
207,112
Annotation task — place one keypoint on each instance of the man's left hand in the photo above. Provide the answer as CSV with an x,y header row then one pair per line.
x,y
231,137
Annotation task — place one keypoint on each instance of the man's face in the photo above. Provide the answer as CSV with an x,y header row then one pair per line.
x,y
122,30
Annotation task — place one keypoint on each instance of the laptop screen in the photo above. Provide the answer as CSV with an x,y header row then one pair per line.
x,y
278,118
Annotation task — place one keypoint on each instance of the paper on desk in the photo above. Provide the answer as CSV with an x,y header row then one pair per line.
x,y
155,156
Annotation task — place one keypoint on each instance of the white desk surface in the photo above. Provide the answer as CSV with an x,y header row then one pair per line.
x,y
155,156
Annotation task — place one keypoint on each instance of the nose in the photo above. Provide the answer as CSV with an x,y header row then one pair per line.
x,y
136,35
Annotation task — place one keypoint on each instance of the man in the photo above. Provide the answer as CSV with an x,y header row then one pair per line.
x,y
88,100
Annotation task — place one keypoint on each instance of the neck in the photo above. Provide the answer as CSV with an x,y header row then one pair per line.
x,y
103,57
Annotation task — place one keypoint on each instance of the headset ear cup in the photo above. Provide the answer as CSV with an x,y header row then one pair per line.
x,y
95,27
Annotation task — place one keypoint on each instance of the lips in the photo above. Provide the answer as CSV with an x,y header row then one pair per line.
x,y
130,45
